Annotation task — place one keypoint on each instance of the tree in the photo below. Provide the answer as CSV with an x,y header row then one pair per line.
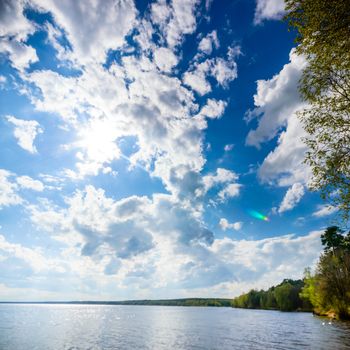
x,y
287,295
333,275
323,37
332,239
329,289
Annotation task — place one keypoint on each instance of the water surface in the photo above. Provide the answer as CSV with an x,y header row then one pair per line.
x,y
45,327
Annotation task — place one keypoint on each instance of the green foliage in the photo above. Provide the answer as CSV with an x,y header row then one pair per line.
x,y
329,289
284,297
309,292
323,35
332,239
287,297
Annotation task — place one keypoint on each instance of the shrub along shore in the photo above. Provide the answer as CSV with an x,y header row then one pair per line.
x,y
326,292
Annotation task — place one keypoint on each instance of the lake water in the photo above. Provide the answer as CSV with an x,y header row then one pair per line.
x,y
160,327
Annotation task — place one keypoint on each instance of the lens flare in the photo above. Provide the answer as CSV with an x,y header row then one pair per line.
x,y
257,215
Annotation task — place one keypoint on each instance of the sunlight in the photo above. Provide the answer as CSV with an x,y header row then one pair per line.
x,y
98,142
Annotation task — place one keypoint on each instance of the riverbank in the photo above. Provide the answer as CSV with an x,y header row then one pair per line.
x,y
210,302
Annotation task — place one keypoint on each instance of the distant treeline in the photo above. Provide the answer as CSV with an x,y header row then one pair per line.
x,y
182,302
284,297
162,302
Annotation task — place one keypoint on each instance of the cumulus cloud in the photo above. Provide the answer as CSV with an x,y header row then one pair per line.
x,y
213,109
144,243
92,28
222,70
276,101
229,191
14,30
32,257
209,42
292,197
285,164
324,210
8,190
197,80
133,97
25,131
160,240
13,23
165,59
124,230
263,263
175,19
11,186
21,55
221,176
28,183
268,9
225,225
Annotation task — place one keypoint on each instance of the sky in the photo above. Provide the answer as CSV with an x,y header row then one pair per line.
x,y
151,149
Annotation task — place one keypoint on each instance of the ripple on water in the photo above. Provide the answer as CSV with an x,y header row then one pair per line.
x,y
75,327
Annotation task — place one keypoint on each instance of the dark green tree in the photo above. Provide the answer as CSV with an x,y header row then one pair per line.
x,y
323,37
283,297
332,239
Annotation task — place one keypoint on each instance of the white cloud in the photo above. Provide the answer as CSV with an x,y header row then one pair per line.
x,y
33,257
230,191
268,9
139,245
163,244
225,225
263,263
175,20
14,30
21,55
228,147
285,164
94,27
324,210
209,42
223,70
222,176
197,79
130,230
155,109
160,12
13,23
8,190
276,101
131,98
28,183
96,92
213,109
292,197
25,132
165,59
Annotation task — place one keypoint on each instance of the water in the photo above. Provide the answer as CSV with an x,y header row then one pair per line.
x,y
26,327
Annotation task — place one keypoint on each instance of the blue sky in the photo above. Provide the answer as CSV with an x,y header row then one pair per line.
x,y
136,139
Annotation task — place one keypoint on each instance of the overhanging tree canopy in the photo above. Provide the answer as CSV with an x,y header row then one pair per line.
x,y
323,28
